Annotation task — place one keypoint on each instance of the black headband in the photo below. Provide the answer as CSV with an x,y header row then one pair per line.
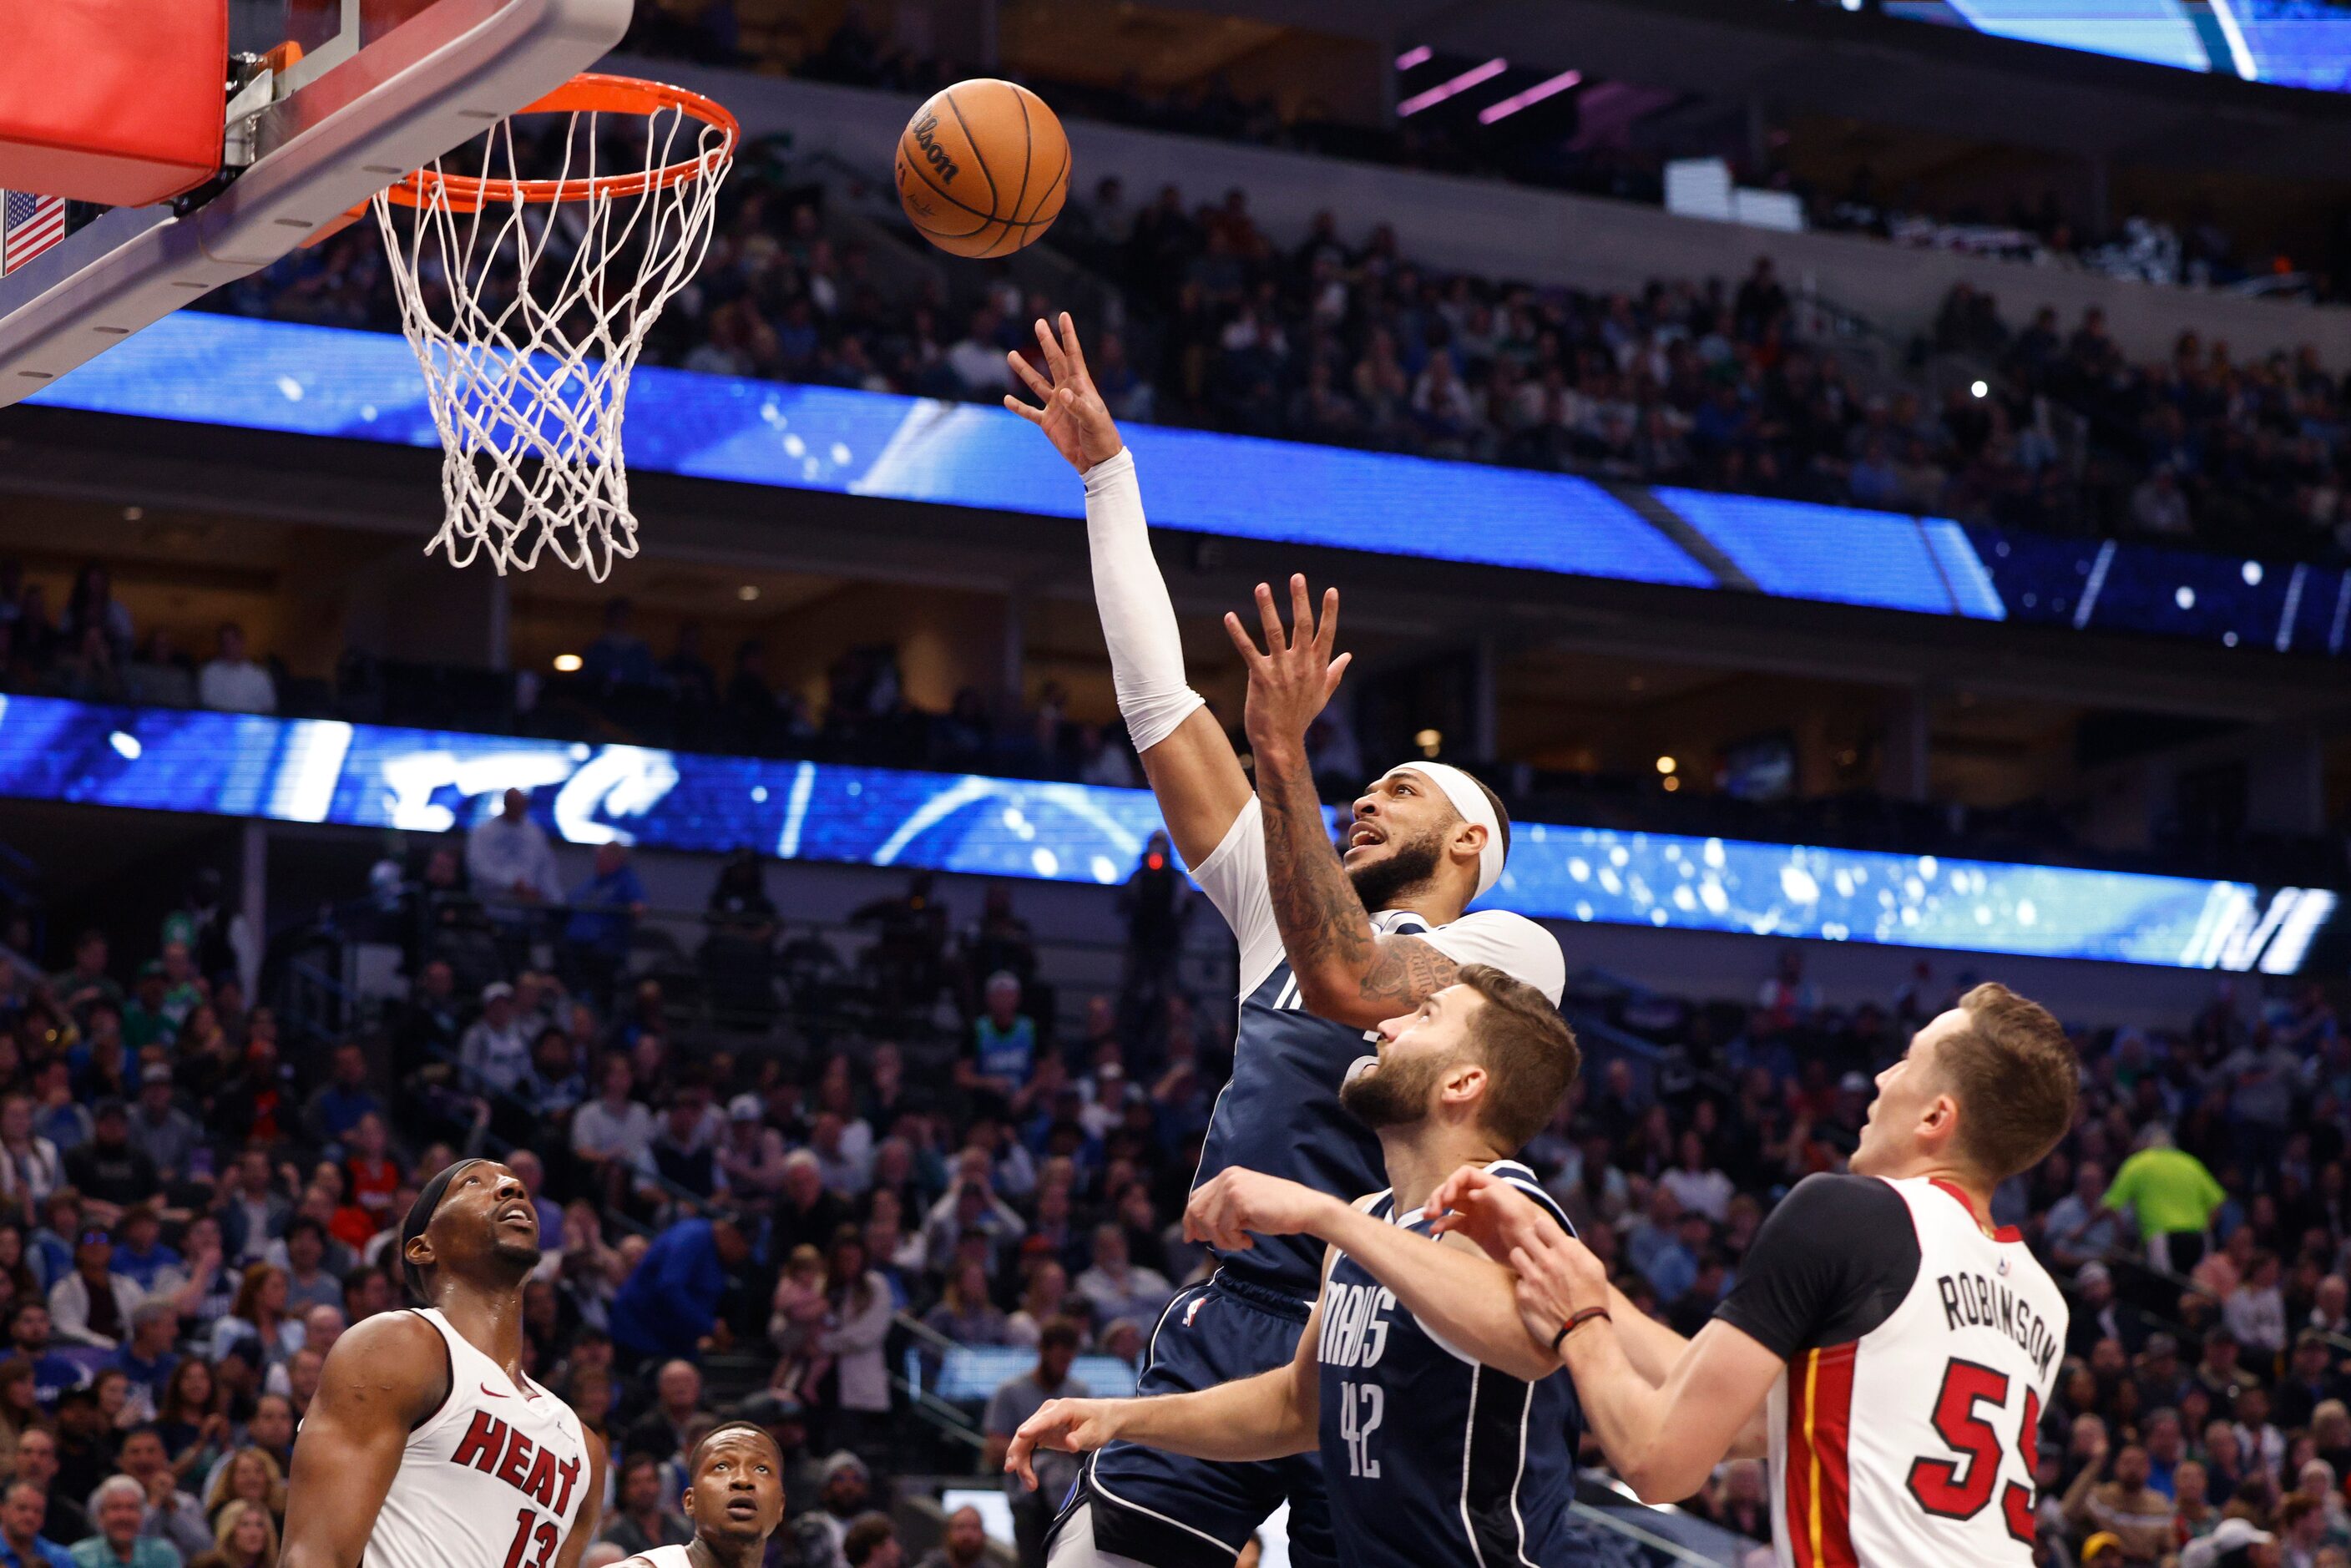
x,y
420,1215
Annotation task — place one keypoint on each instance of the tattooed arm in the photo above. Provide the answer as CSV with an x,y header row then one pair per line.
x,y
1347,970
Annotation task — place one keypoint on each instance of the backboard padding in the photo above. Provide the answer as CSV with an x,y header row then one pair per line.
x,y
424,77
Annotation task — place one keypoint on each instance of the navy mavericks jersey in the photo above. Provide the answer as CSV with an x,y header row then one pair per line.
x,y
1280,1112
1431,1459
1281,1115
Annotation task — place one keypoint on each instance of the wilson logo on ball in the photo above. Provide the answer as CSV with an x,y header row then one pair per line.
x,y
924,138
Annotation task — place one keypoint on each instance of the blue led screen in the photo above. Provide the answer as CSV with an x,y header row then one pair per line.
x,y
319,770
320,380
2293,43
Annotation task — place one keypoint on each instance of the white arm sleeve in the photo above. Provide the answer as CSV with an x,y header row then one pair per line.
x,y
1510,943
1233,876
1138,620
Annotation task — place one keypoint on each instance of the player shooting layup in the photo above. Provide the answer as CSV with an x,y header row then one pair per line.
x,y
426,1446
1328,949
734,1502
1900,1347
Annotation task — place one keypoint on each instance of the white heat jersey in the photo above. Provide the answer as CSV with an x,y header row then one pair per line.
x,y
658,1557
1916,1441
494,1479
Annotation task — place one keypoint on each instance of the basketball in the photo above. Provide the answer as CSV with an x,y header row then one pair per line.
x,y
983,168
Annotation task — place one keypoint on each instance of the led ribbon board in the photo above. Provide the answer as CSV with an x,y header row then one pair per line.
x,y
324,381
434,781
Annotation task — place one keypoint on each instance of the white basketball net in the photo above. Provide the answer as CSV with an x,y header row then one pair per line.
x,y
528,319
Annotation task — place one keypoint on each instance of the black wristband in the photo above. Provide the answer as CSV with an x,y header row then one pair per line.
x,y
1575,1322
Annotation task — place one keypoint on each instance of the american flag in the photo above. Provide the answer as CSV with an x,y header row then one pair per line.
x,y
29,225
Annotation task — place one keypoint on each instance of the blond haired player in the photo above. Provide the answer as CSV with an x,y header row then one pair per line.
x,y
427,1445
1899,1346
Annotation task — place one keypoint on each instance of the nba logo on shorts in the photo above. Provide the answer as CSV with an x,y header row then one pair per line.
x,y
1192,1310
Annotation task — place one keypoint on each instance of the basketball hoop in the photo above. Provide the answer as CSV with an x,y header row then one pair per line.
x,y
528,323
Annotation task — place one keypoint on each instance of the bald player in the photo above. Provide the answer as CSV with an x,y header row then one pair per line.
x,y
427,1446
734,1502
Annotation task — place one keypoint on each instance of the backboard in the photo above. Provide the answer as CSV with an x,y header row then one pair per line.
x,y
380,87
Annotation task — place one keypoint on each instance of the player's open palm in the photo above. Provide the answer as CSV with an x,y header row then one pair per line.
x,y
1071,412
1071,1425
1295,676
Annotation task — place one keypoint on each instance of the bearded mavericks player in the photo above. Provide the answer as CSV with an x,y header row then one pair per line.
x,y
426,1445
1327,951
734,1500
1445,1440
1901,1346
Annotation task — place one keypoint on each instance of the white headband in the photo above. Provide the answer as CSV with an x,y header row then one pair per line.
x,y
1469,800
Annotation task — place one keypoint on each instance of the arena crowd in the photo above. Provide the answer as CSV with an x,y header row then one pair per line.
x,y
793,1221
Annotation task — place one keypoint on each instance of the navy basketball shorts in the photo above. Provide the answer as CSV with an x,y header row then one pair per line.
x,y
1171,1511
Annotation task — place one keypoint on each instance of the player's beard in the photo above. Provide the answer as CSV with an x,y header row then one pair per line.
x,y
1393,1095
1408,866
519,1256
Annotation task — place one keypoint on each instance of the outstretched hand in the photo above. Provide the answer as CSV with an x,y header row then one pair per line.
x,y
1073,416
1291,682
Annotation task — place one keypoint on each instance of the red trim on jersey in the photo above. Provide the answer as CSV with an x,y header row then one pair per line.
x,y
1819,1480
2002,1233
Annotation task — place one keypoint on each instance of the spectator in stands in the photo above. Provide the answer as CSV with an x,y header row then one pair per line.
x,y
604,912
641,1522
965,1543
668,1306
117,1508
508,857
2170,1194
230,682
806,1213
872,1541
93,1305
30,1166
149,1358
619,657
37,1465
253,1212
1116,1288
1003,1051
257,1319
495,1049
22,1544
245,1536
109,1172
337,1105
170,1514
167,1136
1013,1403
614,1132
140,1253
